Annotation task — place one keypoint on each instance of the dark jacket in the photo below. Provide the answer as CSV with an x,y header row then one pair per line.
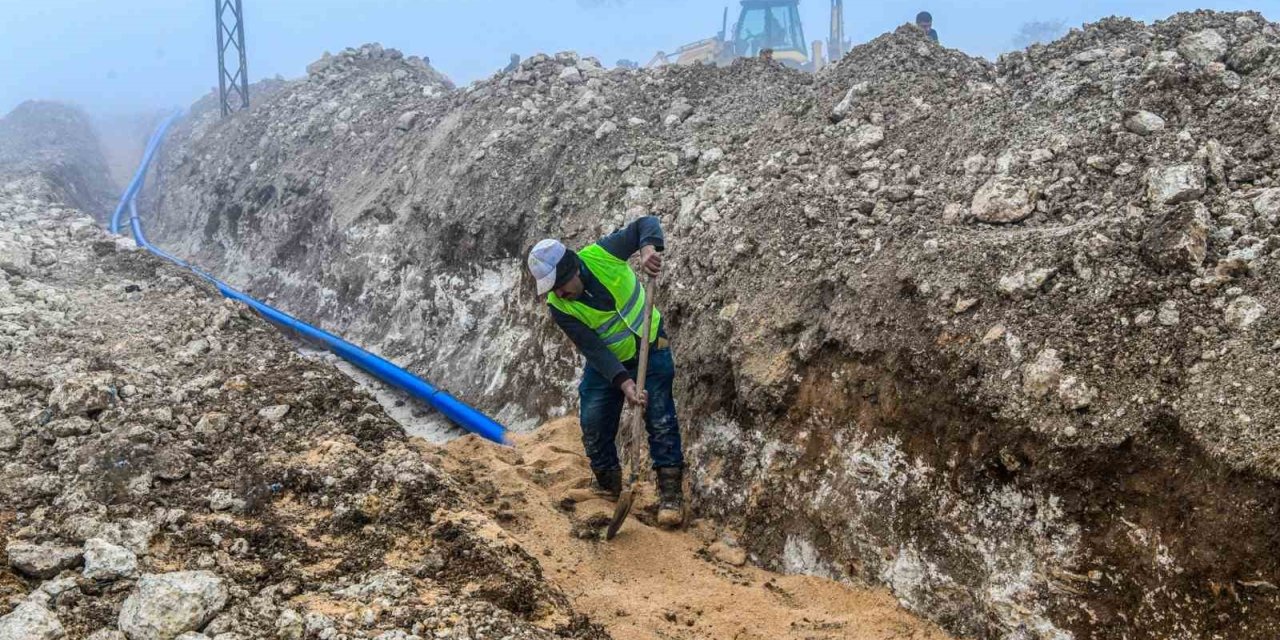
x,y
621,244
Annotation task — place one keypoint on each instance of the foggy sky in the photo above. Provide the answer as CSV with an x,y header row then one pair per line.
x,y
114,56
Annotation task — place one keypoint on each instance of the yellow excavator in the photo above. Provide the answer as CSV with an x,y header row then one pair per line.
x,y
772,25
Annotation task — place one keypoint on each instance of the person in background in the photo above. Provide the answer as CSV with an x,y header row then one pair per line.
x,y
924,20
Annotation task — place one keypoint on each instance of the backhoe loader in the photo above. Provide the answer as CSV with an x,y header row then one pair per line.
x,y
772,25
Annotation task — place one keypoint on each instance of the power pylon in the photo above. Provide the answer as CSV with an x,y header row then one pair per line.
x,y
233,88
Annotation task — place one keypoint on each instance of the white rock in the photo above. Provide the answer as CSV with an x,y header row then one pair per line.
x,y
973,164
1144,123
607,127
1074,394
1042,375
274,413
1001,200
107,634
406,120
711,156
31,621
571,75
168,604
224,500
289,626
42,561
10,437
867,136
1203,47
1091,55
1168,314
1267,203
1243,311
1176,183
105,561
1024,283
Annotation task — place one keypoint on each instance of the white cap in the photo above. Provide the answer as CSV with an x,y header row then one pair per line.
x,y
543,258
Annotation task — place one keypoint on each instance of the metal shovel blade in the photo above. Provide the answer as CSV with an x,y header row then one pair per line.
x,y
619,513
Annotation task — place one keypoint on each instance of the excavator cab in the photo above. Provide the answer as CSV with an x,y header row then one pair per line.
x,y
771,24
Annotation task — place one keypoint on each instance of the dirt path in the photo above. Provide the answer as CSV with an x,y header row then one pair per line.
x,y
649,583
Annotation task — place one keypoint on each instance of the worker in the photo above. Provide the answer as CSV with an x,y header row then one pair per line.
x,y
597,300
924,20
513,64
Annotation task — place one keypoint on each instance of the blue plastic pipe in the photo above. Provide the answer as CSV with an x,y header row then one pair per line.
x,y
135,185
455,410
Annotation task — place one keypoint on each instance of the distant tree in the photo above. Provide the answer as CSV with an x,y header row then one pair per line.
x,y
1037,32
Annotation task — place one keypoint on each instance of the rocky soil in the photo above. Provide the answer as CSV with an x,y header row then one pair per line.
x,y
1001,336
170,466
52,147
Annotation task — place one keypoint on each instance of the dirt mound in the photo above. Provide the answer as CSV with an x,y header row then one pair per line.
x,y
54,146
149,428
994,335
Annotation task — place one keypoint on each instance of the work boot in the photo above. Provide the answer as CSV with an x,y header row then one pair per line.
x,y
608,484
670,496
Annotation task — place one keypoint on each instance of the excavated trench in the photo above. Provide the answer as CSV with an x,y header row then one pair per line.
x,y
925,341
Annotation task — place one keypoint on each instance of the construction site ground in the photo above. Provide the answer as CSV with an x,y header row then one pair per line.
x,y
649,582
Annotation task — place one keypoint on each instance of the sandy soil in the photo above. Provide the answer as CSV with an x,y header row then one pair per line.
x,y
651,583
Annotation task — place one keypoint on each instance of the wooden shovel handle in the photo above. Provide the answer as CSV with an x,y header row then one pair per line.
x,y
643,369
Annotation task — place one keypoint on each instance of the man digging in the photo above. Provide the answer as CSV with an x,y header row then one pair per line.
x,y
598,301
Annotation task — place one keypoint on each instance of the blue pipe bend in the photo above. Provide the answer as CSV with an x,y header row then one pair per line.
x,y
455,410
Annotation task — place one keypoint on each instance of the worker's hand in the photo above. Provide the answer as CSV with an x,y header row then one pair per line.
x,y
650,261
635,395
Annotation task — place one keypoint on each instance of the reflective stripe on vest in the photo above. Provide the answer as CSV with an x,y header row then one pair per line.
x,y
616,326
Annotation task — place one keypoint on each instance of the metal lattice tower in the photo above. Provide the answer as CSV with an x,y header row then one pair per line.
x,y
233,88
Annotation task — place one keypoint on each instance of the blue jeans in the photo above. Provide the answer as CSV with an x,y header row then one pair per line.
x,y
601,407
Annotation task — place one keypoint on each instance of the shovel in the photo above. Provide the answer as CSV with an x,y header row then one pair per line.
x,y
637,422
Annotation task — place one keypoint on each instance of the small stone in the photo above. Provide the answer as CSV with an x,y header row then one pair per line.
x,y
407,119
1168,313
273,413
290,626
607,127
1074,394
1203,47
1040,156
224,500
727,554
1144,318
993,334
866,136
42,561
1267,204
1024,283
1243,312
1178,239
70,427
168,604
1174,184
964,305
1144,123
1042,375
31,621
1001,200
107,634
10,437
82,395
105,561
570,75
